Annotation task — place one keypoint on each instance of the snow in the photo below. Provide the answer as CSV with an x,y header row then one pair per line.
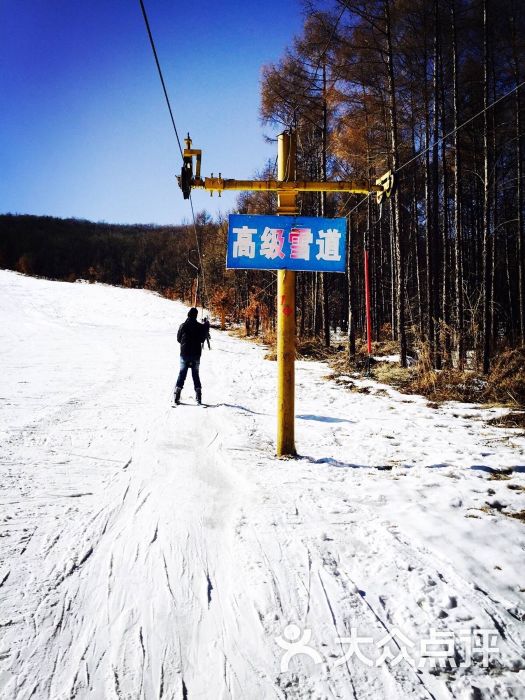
x,y
392,359
156,552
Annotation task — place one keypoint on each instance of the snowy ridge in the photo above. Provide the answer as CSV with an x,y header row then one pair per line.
x,y
151,552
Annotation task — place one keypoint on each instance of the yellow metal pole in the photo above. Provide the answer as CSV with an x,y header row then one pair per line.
x,y
287,204
218,184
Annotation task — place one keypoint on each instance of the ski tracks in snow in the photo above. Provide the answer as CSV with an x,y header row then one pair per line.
x,y
150,552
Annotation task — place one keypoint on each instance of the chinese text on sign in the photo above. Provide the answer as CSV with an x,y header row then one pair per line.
x,y
286,242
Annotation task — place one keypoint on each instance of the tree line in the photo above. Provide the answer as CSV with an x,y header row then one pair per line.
x,y
425,88
179,262
143,256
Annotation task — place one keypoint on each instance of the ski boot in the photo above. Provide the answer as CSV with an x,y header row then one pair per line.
x,y
177,395
198,395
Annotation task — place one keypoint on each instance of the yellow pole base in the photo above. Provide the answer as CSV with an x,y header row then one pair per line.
x,y
285,363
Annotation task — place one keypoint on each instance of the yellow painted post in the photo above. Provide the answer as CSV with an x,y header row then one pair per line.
x,y
287,204
287,188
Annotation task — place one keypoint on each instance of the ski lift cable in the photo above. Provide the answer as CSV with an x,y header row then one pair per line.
x,y
159,69
349,213
446,136
146,21
205,300
453,131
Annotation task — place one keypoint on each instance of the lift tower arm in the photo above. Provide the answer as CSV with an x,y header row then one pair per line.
x,y
188,180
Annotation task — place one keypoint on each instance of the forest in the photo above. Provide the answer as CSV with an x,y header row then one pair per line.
x,y
431,89
140,256
428,89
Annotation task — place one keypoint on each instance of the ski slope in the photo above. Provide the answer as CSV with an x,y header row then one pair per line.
x,y
156,552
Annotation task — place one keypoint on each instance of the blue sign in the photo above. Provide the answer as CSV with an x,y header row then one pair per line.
x,y
286,243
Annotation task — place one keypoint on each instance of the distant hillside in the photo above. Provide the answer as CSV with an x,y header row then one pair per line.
x,y
138,255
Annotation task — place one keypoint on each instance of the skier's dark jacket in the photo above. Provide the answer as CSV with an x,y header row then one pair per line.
x,y
191,335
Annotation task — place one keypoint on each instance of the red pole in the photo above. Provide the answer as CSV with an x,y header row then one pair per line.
x,y
367,302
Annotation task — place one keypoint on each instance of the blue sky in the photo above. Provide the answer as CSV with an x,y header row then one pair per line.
x,y
84,129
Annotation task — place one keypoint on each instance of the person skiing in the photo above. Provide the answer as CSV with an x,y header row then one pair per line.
x,y
191,336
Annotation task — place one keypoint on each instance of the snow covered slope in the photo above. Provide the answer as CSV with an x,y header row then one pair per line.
x,y
157,552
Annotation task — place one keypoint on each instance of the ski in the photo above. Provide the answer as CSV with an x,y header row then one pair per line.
x,y
201,405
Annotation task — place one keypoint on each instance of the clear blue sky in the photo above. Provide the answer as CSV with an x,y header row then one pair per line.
x,y
84,129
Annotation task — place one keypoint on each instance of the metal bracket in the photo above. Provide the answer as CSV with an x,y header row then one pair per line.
x,y
186,179
386,182
196,267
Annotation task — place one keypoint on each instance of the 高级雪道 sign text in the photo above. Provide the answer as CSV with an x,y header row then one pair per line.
x,y
286,243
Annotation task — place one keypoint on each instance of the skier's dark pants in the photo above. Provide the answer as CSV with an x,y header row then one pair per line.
x,y
185,364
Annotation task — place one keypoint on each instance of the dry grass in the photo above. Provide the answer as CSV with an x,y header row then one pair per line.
x,y
506,381
382,347
500,476
448,385
391,373
340,365
496,507
314,349
504,386
267,339
305,349
469,386
514,419
518,516
348,384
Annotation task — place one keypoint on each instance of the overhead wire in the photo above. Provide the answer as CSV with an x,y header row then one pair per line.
x,y
159,69
444,137
428,148
205,295
350,212
144,14
453,131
